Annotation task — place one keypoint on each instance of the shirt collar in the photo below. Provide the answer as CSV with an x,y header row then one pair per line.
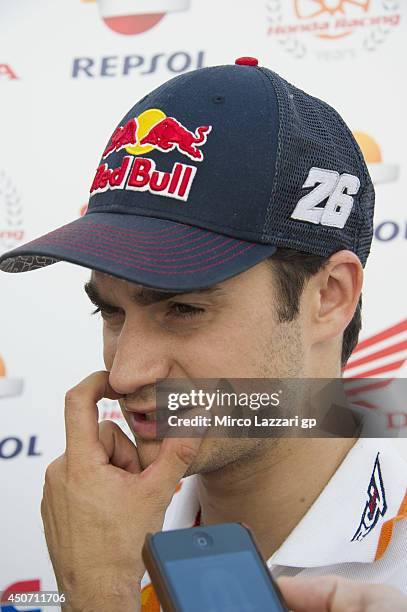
x,y
351,520
352,517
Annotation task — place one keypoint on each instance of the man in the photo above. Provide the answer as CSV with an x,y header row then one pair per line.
x,y
229,222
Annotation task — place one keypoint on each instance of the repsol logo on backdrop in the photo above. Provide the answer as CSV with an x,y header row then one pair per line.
x,y
12,447
130,65
390,230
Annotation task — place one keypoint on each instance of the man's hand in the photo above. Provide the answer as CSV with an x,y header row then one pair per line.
x,y
333,594
98,503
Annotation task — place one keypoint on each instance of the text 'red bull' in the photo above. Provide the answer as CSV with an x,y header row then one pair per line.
x,y
139,174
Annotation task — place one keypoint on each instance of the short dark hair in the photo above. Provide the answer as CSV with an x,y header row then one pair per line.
x,y
292,269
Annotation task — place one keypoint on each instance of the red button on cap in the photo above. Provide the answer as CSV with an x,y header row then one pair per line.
x,y
247,61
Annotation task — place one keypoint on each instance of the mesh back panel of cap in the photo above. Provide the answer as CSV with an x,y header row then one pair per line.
x,y
312,134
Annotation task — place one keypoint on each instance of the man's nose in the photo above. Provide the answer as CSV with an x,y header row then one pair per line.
x,y
139,360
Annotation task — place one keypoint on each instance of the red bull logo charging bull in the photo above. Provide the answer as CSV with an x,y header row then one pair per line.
x,y
170,133
140,135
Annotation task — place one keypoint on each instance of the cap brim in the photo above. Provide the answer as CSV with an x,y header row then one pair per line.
x,y
153,252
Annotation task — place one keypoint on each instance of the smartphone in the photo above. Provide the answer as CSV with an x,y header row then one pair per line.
x,y
216,568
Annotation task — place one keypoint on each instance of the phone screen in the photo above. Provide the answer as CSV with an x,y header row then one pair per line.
x,y
230,582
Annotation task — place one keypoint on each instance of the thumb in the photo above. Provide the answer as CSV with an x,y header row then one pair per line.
x,y
174,459
334,594
307,595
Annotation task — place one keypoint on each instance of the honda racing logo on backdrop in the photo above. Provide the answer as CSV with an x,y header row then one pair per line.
x,y
374,376
383,353
331,29
131,17
11,214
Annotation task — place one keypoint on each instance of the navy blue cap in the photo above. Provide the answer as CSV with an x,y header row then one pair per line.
x,y
207,175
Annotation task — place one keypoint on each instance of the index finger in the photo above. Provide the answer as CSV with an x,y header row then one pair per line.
x,y
81,412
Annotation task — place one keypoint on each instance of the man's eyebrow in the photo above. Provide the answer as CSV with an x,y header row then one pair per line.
x,y
144,296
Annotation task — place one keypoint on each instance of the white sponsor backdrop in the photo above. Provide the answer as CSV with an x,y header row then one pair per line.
x,y
68,72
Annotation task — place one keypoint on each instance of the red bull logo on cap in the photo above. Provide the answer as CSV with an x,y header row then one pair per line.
x,y
170,133
154,130
140,135
139,174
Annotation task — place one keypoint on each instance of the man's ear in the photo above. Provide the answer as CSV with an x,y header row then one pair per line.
x,y
333,295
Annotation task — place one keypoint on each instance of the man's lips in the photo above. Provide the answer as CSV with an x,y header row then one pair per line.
x,y
141,426
146,426
146,413
152,411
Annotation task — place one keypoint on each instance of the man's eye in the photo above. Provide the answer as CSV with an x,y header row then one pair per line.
x,y
105,312
175,311
184,311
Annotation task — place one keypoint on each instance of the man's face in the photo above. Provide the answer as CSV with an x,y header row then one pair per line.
x,y
230,331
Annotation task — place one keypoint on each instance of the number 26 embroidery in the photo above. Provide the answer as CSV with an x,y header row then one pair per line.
x,y
330,186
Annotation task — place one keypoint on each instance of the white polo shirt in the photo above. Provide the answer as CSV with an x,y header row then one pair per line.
x,y
356,528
